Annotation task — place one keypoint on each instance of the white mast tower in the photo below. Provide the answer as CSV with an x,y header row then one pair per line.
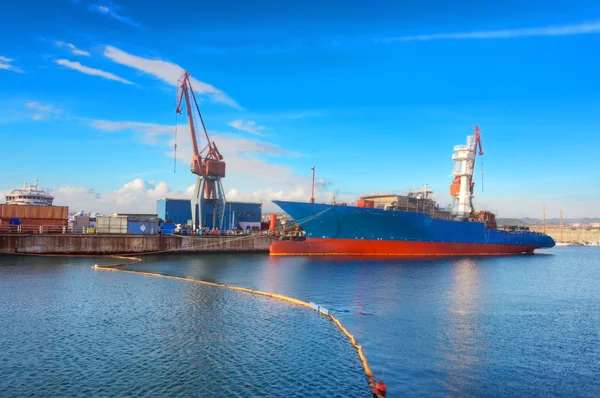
x,y
462,185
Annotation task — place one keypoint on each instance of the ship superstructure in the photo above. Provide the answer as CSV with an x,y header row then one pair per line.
x,y
461,188
30,194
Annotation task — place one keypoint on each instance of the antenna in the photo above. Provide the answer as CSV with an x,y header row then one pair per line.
x,y
312,196
561,226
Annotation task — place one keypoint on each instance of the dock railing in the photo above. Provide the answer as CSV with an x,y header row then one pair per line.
x,y
45,229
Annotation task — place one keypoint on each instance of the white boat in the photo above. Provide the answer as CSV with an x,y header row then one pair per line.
x,y
30,194
563,244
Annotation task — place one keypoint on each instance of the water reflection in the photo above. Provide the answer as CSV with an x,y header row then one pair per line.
x,y
463,331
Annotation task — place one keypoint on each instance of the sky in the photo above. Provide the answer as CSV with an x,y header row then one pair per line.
x,y
373,94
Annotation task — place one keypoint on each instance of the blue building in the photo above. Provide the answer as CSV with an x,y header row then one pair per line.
x,y
241,215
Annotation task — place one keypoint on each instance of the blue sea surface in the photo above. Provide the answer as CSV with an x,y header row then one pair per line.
x,y
497,326
67,330
488,326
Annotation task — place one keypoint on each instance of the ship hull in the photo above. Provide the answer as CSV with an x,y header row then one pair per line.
x,y
355,247
349,230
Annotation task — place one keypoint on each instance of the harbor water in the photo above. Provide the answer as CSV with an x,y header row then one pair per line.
x,y
498,326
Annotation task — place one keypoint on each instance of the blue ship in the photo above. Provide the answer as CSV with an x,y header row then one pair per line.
x,y
351,230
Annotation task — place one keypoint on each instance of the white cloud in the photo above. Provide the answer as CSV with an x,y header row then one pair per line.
x,y
140,196
249,126
165,71
137,196
151,131
564,30
91,71
6,64
110,9
249,162
301,192
37,106
72,47
42,111
228,144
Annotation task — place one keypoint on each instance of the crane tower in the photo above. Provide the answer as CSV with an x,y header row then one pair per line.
x,y
207,164
461,188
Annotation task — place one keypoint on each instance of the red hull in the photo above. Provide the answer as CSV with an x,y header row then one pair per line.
x,y
359,247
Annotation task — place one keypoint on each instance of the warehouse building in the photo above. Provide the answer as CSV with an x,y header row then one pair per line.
x,y
238,215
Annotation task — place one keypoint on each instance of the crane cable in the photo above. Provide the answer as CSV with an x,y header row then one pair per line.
x,y
482,176
175,144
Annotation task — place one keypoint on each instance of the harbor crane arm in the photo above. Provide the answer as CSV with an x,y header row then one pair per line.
x,y
477,150
212,164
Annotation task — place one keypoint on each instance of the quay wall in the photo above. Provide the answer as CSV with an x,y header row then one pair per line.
x,y
571,235
128,244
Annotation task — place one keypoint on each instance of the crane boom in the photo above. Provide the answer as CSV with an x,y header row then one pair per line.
x,y
477,148
212,164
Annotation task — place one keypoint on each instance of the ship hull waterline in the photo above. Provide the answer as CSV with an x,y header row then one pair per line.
x,y
360,247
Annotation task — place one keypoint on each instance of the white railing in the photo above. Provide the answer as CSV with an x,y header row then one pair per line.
x,y
42,229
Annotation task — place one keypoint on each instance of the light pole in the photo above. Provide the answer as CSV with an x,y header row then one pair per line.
x,y
312,195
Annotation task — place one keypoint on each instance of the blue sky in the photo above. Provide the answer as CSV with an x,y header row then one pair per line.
x,y
374,94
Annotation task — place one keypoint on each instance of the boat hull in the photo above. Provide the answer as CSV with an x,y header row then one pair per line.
x,y
355,247
349,230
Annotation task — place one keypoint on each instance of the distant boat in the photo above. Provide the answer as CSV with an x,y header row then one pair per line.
x,y
30,194
563,244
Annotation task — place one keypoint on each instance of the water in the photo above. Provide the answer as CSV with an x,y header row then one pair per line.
x,y
67,331
504,326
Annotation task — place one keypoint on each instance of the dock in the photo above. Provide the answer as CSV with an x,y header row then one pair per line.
x,y
111,244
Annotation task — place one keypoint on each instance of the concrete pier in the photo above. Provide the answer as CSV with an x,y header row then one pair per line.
x,y
129,244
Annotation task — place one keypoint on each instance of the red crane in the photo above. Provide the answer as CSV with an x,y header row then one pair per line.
x,y
207,164
212,164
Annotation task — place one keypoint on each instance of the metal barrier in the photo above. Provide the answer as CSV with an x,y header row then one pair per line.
x,y
44,229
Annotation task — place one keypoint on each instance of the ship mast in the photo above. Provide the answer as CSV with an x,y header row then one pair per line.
x,y
561,226
544,218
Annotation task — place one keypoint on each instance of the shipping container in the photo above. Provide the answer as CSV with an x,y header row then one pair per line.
x,y
35,222
167,229
34,212
82,221
369,204
142,227
111,225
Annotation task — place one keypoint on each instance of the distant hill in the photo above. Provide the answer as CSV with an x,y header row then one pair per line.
x,y
550,221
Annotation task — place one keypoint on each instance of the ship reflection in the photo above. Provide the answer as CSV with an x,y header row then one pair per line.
x,y
463,335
